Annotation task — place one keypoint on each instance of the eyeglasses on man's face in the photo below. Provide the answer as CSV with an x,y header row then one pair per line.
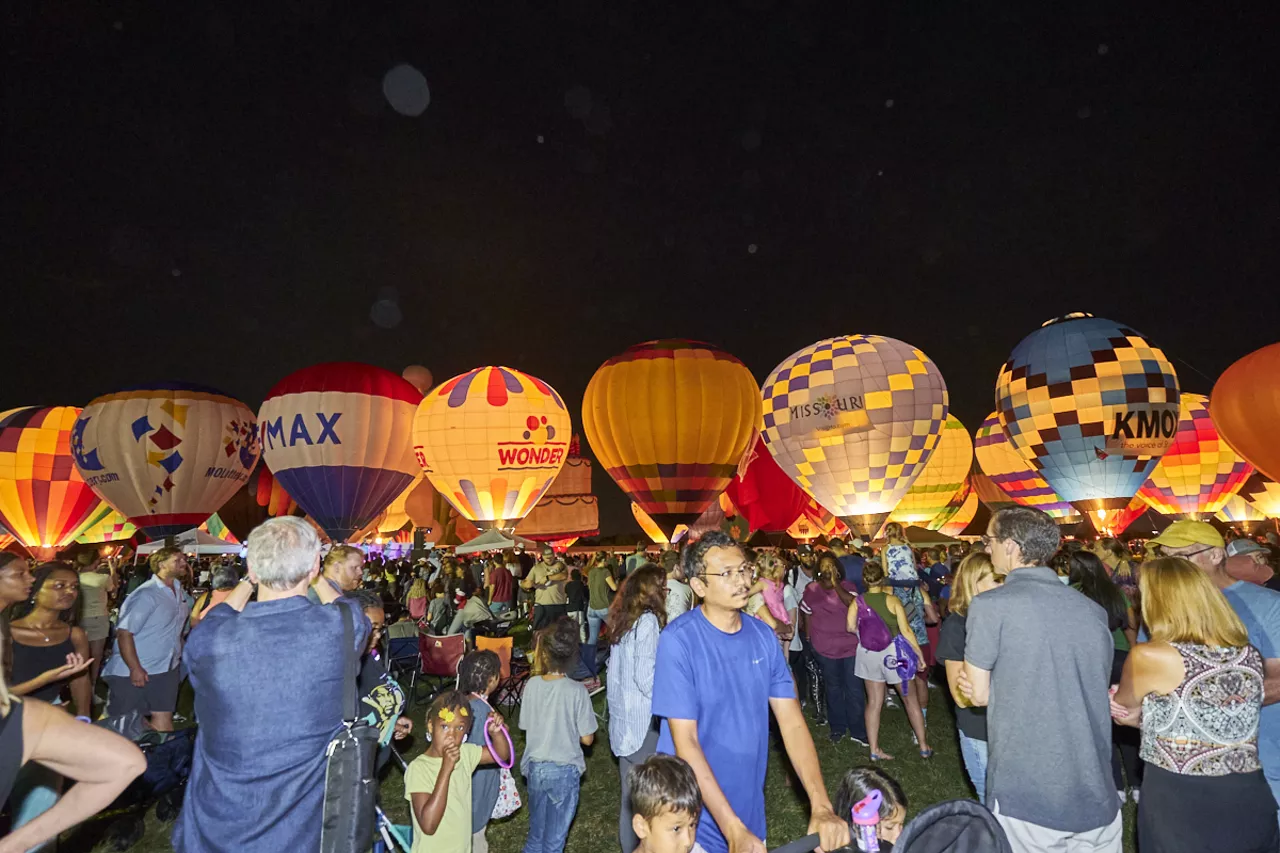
x,y
747,572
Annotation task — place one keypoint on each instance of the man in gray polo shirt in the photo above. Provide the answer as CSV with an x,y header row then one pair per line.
x,y
1038,655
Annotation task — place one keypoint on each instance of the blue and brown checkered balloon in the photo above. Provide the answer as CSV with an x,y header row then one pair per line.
x,y
853,420
1091,405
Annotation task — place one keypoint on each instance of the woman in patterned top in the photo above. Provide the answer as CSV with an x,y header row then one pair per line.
x,y
1196,691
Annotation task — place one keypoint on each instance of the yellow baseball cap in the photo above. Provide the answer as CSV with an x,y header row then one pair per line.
x,y
1180,534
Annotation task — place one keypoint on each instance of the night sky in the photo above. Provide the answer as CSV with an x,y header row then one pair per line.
x,y
195,192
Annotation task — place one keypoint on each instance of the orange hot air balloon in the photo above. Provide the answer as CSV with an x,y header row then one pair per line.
x,y
1246,408
492,441
44,502
670,420
1199,472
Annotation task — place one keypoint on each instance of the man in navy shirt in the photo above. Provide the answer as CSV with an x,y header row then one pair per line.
x,y
718,675
852,563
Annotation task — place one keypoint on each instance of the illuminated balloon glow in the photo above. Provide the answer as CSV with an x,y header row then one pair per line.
x,y
954,506
956,524
1246,408
1199,472
941,479
764,494
669,421
651,528
105,525
492,441
853,421
1092,406
167,455
44,502
338,438
1005,468
1237,510
1263,495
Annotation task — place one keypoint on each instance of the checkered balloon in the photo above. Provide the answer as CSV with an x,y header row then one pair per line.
x,y
1199,472
853,420
1091,405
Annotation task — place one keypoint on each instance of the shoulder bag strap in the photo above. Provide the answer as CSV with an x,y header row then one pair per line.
x,y
349,673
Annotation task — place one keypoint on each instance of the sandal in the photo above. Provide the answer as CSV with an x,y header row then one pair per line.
x,y
926,753
875,756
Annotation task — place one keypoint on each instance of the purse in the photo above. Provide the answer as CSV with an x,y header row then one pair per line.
x,y
350,781
508,801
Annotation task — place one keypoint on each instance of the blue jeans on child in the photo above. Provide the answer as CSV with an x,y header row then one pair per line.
x,y
553,801
974,753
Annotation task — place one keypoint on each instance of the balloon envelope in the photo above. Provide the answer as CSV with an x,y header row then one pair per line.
x,y
44,502
166,455
1005,468
670,420
338,439
765,495
1091,405
1246,408
853,420
955,523
941,479
1199,472
105,525
492,440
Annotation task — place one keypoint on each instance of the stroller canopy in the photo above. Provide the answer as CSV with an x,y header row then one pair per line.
x,y
956,826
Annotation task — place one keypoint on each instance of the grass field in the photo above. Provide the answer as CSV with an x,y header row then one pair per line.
x,y
596,826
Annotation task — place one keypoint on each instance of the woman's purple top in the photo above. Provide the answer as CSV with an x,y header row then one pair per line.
x,y
827,616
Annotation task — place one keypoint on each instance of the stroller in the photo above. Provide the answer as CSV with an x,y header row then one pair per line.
x,y
169,756
953,826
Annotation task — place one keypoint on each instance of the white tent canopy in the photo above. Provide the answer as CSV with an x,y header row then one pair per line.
x,y
194,541
496,540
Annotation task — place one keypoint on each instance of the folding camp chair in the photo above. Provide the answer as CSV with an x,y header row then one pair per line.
x,y
439,660
404,660
514,672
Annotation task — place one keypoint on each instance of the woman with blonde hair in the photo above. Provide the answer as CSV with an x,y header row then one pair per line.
x,y
974,576
1196,691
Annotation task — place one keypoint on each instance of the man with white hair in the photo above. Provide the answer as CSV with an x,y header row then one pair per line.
x,y
268,681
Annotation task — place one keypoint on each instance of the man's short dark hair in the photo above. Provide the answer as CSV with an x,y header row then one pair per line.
x,y
695,556
1035,533
664,783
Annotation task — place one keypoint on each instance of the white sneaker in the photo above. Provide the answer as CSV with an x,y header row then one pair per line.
x,y
1122,797
1133,795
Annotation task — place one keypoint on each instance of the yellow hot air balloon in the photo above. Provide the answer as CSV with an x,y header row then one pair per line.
x,y
1263,495
491,441
670,421
649,526
1237,510
1199,471
956,524
943,476
853,420
106,525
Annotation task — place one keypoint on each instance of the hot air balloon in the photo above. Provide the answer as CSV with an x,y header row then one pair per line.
x,y
492,440
1091,405
338,438
1237,510
853,420
1115,522
1199,472
214,527
652,530
568,510
764,494
44,502
670,420
1246,408
989,494
956,524
942,477
105,525
953,507
1263,495
166,455
418,376
1005,468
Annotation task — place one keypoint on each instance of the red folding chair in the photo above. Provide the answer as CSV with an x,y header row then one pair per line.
x,y
440,657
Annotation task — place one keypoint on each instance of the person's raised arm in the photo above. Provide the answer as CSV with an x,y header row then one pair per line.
x,y
832,831
684,734
101,763
243,591
429,808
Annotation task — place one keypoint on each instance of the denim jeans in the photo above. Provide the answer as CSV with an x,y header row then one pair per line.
x,y
846,697
595,618
553,801
974,752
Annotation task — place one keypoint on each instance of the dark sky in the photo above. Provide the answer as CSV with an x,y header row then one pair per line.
x,y
222,196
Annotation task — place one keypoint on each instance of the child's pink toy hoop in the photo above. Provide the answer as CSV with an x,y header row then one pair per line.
x,y
511,748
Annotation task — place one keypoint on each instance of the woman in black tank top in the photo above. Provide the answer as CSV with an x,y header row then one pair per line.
x,y
48,653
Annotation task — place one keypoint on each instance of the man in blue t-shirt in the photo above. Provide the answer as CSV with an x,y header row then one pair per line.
x,y
717,677
851,562
1259,610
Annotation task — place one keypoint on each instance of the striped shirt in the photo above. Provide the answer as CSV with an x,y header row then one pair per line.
x,y
630,685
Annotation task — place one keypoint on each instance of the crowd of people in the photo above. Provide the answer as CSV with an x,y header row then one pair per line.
x,y
1083,675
